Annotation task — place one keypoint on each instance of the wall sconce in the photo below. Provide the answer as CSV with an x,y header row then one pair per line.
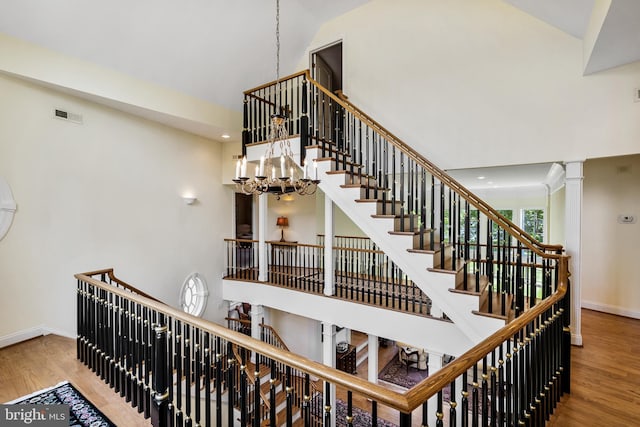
x,y
189,199
282,222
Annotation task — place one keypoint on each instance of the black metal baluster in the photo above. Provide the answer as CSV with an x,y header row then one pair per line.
x,y
453,417
439,412
464,410
289,396
231,388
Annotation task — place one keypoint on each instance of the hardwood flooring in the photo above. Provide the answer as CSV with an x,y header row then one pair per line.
x,y
45,361
605,384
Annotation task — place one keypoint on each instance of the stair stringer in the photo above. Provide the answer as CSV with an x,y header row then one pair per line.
x,y
458,307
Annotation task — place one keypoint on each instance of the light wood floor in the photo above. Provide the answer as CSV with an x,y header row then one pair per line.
x,y
605,386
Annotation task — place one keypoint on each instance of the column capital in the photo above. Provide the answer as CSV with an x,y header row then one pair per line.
x,y
574,170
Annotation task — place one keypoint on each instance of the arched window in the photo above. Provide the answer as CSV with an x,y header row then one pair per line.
x,y
193,295
7,207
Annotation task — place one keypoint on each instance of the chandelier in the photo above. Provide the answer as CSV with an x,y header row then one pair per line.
x,y
277,175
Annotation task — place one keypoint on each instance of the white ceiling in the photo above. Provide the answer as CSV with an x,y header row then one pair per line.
x,y
215,49
191,46
502,177
570,16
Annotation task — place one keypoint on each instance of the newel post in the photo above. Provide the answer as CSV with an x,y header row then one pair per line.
x,y
246,137
566,340
159,409
304,122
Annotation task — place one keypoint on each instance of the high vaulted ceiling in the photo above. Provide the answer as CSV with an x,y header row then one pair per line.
x,y
212,50
209,49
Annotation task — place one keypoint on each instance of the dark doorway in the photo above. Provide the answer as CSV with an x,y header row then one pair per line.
x,y
326,69
244,216
326,66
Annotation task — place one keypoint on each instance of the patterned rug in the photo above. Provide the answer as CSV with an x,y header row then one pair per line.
x,y
361,418
396,373
81,411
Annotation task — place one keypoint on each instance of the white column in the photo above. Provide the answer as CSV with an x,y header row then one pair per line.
x,y
435,364
328,246
372,358
262,232
329,359
573,242
257,312
436,311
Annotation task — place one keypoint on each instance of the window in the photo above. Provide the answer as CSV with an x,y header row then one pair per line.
x,y
504,238
533,223
193,295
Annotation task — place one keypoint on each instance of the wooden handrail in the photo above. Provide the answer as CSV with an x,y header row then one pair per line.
x,y
273,83
112,277
345,237
275,334
404,402
307,245
431,385
480,204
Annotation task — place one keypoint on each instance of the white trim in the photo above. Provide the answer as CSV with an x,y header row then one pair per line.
x,y
52,331
24,335
611,309
30,333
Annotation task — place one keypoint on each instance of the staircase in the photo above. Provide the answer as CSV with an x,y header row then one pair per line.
x,y
475,265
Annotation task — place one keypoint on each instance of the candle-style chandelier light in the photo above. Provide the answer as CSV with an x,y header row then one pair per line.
x,y
277,175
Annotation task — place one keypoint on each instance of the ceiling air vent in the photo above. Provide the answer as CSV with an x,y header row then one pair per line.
x,y
68,116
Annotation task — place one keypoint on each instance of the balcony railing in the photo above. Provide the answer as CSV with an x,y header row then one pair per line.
x,y
360,274
176,368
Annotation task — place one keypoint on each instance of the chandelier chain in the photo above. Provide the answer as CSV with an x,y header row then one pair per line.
x,y
277,49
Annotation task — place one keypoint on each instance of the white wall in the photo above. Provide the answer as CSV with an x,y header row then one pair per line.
x,y
610,280
300,334
301,212
472,83
343,225
102,194
556,217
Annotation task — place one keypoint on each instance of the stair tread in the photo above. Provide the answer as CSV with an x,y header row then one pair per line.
x,y
345,172
377,201
497,304
436,248
410,233
266,385
281,416
347,162
370,187
460,262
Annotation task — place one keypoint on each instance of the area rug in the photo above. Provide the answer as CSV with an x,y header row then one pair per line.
x,y
361,418
81,411
396,373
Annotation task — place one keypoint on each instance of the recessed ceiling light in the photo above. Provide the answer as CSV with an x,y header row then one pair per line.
x,y
225,136
489,182
481,177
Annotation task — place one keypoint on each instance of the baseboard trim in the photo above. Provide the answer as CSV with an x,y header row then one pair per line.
x,y
611,309
30,333
24,335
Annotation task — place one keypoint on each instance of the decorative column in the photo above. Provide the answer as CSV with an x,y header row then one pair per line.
x,y
329,359
257,314
372,358
329,286
262,232
434,365
573,242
